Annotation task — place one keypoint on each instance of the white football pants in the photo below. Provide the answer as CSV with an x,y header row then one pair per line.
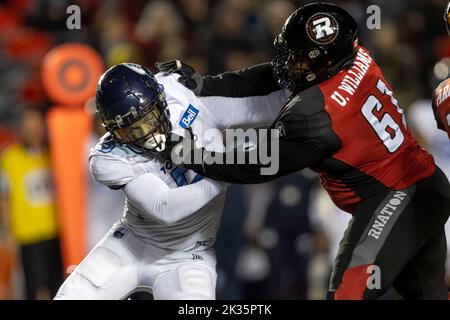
x,y
121,264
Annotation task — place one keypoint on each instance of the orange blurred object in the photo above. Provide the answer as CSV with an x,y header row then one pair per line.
x,y
70,73
69,130
6,265
8,19
27,44
6,137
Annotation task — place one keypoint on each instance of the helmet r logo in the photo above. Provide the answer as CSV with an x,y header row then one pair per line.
x,y
322,28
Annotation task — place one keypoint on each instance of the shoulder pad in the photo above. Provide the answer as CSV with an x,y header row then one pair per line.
x,y
106,143
110,170
108,164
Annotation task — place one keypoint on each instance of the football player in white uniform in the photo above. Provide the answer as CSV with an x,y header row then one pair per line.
x,y
164,242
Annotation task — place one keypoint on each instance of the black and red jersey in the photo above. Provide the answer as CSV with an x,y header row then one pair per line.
x,y
349,128
376,147
441,106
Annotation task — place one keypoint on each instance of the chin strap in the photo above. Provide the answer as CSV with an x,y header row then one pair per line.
x,y
156,142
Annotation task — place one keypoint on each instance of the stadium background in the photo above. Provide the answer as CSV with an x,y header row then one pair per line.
x,y
277,240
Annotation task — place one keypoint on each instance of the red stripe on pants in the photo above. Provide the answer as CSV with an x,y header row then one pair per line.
x,y
353,284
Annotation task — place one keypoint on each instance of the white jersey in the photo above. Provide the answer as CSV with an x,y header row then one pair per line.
x,y
167,206
163,242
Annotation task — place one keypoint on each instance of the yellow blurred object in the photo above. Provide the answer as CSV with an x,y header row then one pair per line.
x,y
31,198
123,52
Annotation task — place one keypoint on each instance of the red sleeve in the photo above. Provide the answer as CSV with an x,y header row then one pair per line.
x,y
441,106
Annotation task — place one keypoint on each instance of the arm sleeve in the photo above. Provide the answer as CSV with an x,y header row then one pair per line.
x,y
258,80
291,156
304,137
169,205
246,111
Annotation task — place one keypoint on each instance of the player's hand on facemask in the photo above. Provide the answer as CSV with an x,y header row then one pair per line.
x,y
189,78
181,150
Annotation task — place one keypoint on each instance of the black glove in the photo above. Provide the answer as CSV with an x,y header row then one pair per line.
x,y
189,78
181,150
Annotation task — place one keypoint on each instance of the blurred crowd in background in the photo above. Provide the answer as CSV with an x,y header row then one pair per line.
x,y
277,240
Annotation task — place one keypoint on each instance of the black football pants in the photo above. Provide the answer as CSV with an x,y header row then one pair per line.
x,y
396,239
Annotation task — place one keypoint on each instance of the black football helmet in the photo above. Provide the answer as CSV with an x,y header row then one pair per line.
x,y
316,42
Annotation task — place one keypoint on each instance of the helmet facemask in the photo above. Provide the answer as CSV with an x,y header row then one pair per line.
x,y
143,129
296,69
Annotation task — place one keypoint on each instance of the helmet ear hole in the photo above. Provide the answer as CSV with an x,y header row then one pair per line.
x,y
310,77
313,54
